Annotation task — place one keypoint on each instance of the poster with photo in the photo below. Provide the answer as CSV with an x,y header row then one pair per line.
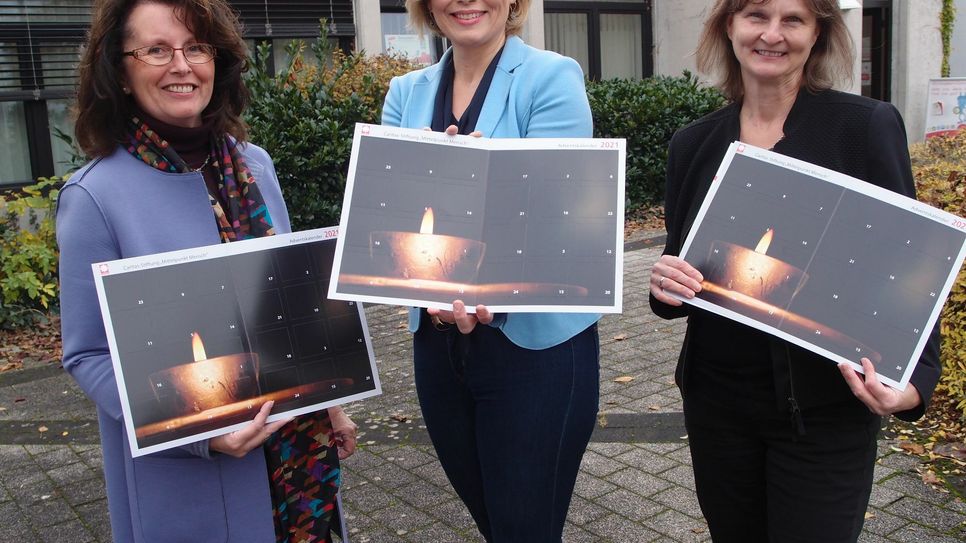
x,y
826,261
201,338
945,106
532,225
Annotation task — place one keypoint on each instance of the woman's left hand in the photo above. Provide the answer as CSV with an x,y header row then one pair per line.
x,y
879,398
466,322
453,130
343,431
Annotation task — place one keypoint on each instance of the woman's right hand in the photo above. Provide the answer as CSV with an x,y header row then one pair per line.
x,y
673,274
241,442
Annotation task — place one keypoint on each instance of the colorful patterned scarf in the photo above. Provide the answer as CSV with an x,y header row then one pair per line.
x,y
302,457
246,215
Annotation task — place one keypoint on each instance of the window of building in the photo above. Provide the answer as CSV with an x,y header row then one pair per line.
x,y
38,65
14,156
399,38
608,39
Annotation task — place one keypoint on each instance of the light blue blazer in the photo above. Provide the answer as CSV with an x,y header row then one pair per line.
x,y
534,94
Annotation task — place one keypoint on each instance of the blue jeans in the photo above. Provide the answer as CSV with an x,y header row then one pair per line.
x,y
510,425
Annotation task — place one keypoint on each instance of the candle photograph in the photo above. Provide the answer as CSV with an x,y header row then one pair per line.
x,y
200,339
832,264
518,225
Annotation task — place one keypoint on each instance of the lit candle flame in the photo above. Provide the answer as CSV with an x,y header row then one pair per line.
x,y
197,347
762,246
427,226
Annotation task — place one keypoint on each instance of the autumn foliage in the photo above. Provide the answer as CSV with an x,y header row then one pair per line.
x,y
939,166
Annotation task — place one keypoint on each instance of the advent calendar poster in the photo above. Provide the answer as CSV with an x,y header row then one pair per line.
x,y
826,261
201,338
515,224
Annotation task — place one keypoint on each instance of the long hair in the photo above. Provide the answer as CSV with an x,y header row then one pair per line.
x,y
103,109
421,20
830,61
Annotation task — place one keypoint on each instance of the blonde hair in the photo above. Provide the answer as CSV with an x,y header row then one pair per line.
x,y
830,61
422,20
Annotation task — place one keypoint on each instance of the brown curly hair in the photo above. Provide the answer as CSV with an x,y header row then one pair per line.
x,y
102,107
830,61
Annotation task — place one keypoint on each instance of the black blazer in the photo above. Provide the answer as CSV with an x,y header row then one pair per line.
x,y
857,136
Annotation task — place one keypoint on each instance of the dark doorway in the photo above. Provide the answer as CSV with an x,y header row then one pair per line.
x,y
876,49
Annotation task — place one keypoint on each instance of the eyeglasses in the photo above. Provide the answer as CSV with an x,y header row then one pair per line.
x,y
159,55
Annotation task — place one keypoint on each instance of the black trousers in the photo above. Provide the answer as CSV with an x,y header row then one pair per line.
x,y
758,480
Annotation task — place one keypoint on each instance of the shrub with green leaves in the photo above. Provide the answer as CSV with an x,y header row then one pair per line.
x,y
939,166
28,254
647,112
305,115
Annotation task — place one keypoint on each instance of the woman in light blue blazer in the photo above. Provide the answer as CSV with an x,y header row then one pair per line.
x,y
509,400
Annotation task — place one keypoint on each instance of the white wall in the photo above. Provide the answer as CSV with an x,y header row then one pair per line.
x,y
368,26
916,58
957,59
677,25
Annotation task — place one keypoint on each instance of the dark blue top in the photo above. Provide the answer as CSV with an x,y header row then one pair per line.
x,y
443,111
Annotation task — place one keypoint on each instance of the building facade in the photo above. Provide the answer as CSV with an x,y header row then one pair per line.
x,y
898,42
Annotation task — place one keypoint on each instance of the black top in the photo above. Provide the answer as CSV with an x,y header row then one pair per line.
x,y
193,145
857,136
443,111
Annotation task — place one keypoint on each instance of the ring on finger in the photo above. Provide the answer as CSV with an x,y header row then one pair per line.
x,y
660,283
438,323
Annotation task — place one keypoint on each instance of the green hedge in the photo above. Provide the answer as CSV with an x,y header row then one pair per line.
x,y
28,254
939,166
305,117
647,112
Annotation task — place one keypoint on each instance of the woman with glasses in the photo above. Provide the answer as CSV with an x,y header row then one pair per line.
x,y
159,107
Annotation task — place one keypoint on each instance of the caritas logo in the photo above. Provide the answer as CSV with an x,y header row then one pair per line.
x,y
104,269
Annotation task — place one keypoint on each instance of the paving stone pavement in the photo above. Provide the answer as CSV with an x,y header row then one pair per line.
x,y
635,483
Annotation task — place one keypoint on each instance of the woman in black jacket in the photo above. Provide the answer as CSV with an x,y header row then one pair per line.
x,y
783,442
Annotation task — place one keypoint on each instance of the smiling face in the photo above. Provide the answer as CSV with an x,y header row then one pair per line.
x,y
178,92
773,41
472,23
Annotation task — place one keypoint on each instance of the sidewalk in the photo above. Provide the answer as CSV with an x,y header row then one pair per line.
x,y
635,483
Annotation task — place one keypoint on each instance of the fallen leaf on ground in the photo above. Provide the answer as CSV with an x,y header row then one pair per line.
x,y
653,407
42,429
624,379
913,448
697,530
602,420
930,478
10,366
869,515
620,337
65,433
400,418
956,451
